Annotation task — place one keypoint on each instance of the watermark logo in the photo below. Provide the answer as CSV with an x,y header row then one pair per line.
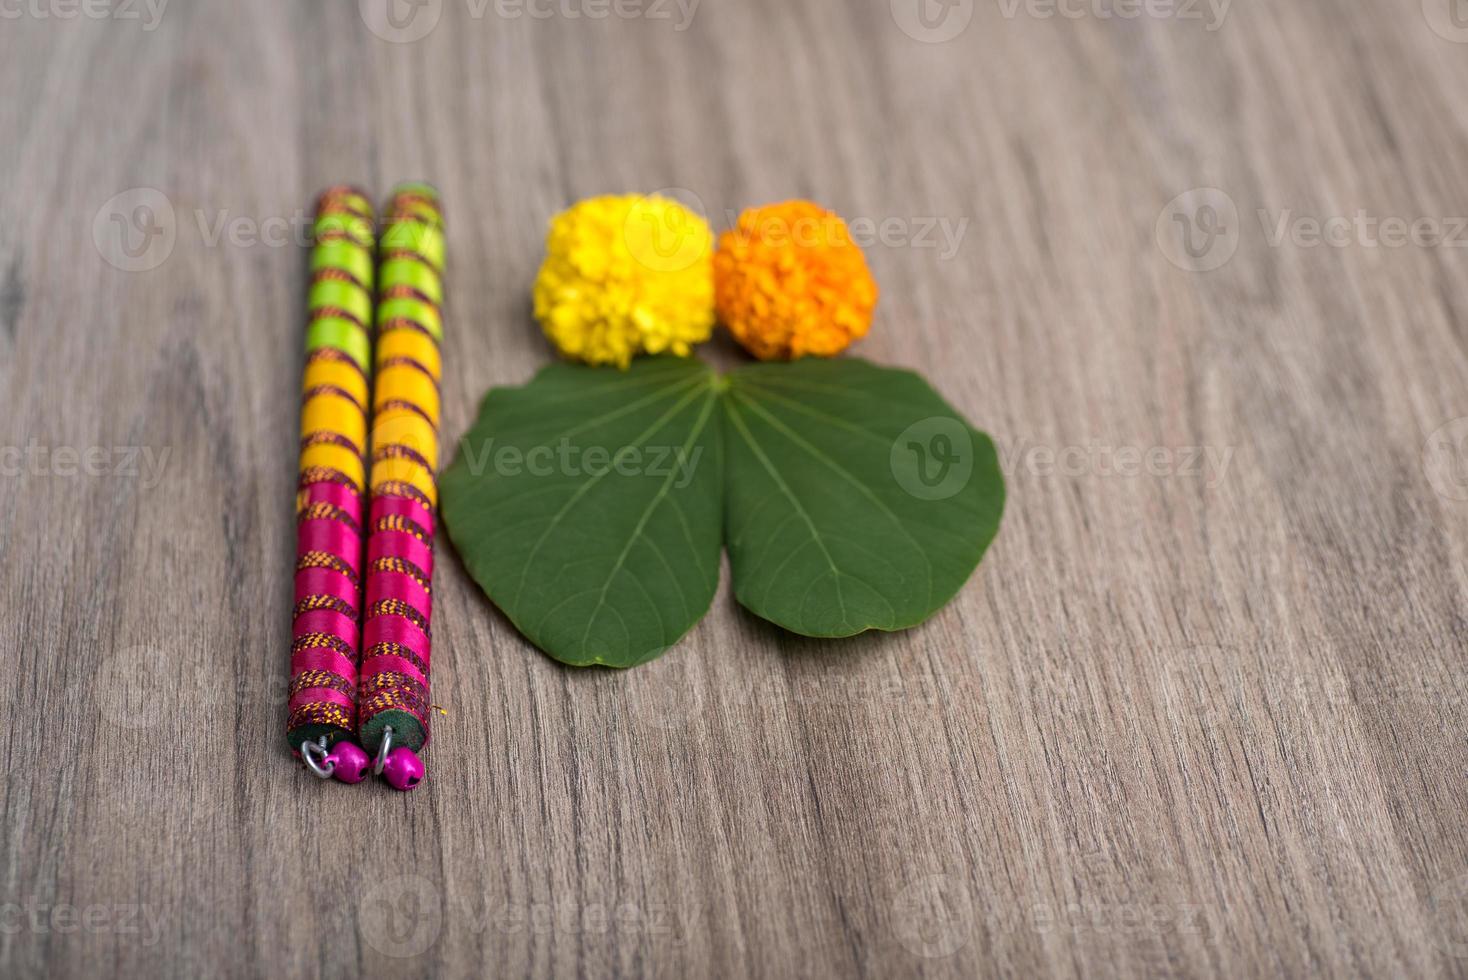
x,y
932,21
132,686
65,918
676,465
662,694
670,924
144,463
401,916
933,459
1208,464
1210,12
1445,460
1449,909
136,230
400,21
1361,230
1199,685
148,12
406,21
1198,231
409,435
934,916
665,239
679,12
1448,19
943,234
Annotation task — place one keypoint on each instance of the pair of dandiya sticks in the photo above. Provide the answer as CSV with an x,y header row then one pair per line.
x,y
365,523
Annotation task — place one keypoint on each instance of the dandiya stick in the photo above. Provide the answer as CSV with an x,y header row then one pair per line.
x,y
330,512
393,699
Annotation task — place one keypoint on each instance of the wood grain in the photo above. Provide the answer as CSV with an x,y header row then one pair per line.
x,y
1201,718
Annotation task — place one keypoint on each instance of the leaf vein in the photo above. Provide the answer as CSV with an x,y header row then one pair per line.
x,y
814,531
585,488
845,474
694,433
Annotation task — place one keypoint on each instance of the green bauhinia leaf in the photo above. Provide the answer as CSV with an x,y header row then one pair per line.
x,y
588,506
856,498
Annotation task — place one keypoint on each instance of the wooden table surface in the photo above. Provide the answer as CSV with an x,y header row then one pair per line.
x,y
1201,711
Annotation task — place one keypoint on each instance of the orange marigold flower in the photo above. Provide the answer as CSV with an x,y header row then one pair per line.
x,y
789,281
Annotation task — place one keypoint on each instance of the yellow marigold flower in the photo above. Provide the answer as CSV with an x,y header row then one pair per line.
x,y
789,281
625,274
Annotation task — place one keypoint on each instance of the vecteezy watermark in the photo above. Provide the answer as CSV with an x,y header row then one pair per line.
x,y
406,21
944,234
65,918
575,918
1448,19
401,21
1198,230
679,13
1212,687
1445,459
1209,464
666,239
144,463
937,916
934,916
135,230
223,227
1211,13
676,701
936,21
404,915
1128,919
933,458
131,685
401,916
677,464
1361,230
148,13
663,693
1448,905
932,21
